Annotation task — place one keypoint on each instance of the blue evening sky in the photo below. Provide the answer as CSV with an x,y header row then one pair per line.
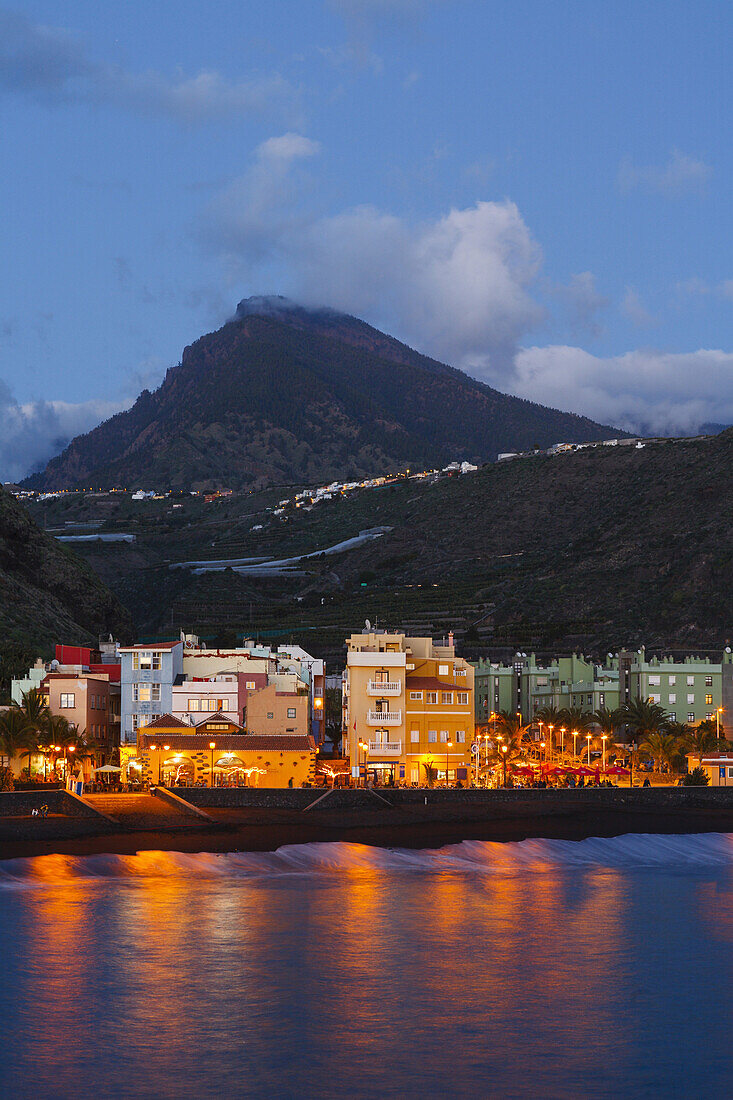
x,y
538,192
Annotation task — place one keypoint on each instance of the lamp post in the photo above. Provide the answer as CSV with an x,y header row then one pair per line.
x,y
543,746
562,740
166,748
212,746
504,749
575,743
552,741
588,739
604,738
152,749
718,713
447,746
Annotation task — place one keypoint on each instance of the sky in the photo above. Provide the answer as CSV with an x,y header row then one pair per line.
x,y
538,193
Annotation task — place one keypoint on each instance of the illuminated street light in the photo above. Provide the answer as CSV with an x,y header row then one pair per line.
x,y
212,746
588,739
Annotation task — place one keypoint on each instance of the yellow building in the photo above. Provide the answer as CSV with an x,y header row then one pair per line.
x,y
408,709
718,765
172,753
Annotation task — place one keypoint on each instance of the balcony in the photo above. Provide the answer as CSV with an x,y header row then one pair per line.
x,y
383,688
384,717
385,748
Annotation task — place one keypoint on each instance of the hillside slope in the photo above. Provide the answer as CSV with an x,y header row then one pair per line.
x,y
281,394
591,549
47,594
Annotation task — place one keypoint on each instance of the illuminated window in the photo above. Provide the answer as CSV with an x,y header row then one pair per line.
x,y
67,700
708,681
432,736
444,736
708,700
250,685
443,670
691,716
142,693
414,736
193,704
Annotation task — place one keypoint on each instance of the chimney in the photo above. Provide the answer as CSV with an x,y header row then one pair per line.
x,y
450,638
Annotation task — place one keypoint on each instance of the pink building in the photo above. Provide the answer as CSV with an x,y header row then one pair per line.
x,y
226,692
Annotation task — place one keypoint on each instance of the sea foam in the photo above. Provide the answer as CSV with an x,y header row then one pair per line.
x,y
629,852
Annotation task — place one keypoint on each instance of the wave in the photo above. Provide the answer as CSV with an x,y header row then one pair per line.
x,y
629,852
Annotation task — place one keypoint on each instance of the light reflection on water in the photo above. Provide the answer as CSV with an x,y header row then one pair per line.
x,y
555,982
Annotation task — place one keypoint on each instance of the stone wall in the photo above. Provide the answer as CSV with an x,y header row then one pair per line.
x,y
22,803
651,798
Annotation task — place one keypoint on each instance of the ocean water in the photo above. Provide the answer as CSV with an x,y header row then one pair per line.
x,y
599,968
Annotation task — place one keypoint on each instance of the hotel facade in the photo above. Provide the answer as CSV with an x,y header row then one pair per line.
x,y
410,703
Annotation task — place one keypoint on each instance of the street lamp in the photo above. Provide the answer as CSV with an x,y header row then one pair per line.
x,y
718,713
575,742
604,738
544,754
562,740
504,749
448,744
212,746
588,739
552,742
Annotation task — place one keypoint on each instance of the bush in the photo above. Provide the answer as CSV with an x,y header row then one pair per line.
x,y
7,782
698,777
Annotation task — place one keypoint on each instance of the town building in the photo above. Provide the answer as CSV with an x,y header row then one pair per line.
x,y
215,752
148,673
411,703
280,709
690,690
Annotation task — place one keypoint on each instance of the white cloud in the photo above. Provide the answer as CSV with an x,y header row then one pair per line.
x,y
682,175
36,431
50,65
651,391
458,287
634,309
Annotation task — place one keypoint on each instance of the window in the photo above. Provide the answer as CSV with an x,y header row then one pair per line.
x,y
601,699
444,736
135,721
460,671
414,736
690,681
654,681
463,698
461,736
656,698
416,695
432,696
541,682
156,692
443,670
67,700
410,668
690,716
673,716
446,696
194,704
250,685
415,775
730,773
291,712
691,698
709,716
672,697
142,693
270,714
432,736
708,681
708,700
672,681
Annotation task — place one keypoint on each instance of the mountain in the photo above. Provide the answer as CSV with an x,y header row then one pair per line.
x,y
282,394
47,594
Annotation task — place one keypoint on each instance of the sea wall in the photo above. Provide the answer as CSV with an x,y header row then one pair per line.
x,y
22,804
661,799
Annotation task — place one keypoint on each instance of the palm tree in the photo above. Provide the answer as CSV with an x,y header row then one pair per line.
x,y
575,718
17,736
431,772
663,748
35,710
644,717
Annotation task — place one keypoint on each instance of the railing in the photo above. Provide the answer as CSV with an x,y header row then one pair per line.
x,y
384,717
385,748
384,687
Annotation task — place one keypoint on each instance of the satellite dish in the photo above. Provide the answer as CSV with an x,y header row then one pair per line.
x,y
727,649
367,624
